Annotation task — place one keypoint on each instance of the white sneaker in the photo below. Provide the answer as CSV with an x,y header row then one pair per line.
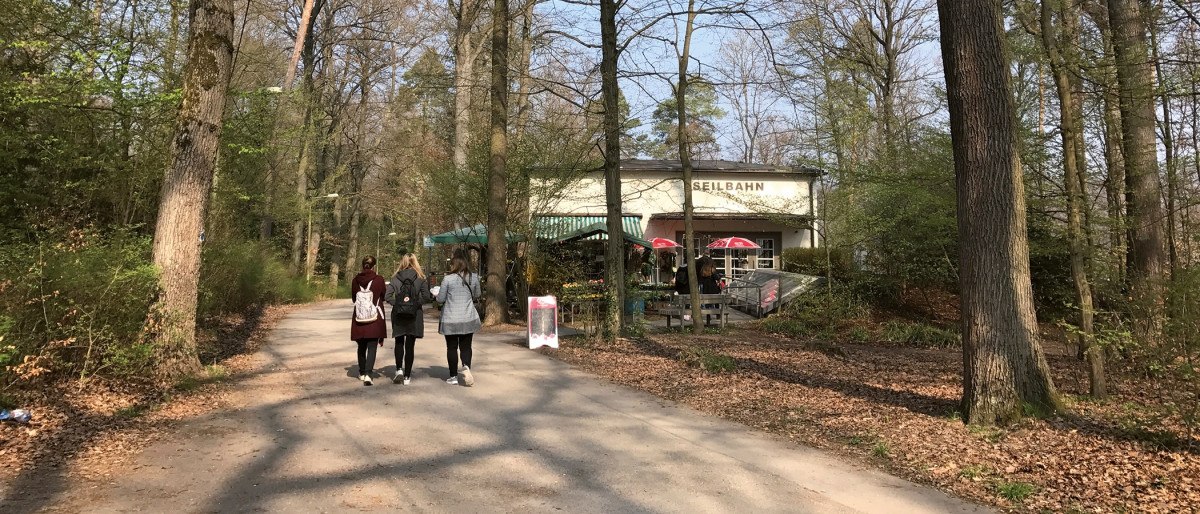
x,y
467,378
399,377
366,379
407,381
452,381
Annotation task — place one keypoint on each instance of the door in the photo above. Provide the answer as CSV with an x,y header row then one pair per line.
x,y
766,256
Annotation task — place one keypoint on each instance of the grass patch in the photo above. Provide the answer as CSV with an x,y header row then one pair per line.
x,y
881,449
859,334
974,472
920,335
1014,491
707,359
211,374
987,433
781,325
132,411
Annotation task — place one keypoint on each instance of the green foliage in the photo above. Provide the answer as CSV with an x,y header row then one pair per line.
x,y
920,335
707,359
815,261
76,305
974,471
1014,491
236,276
822,310
703,113
881,449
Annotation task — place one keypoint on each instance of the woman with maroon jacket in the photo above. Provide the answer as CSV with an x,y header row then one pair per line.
x,y
368,334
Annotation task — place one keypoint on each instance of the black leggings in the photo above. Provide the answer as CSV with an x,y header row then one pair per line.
x,y
456,344
404,353
366,355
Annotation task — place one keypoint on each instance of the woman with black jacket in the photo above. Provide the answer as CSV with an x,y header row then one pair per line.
x,y
408,292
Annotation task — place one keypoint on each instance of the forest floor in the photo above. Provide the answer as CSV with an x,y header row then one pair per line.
x,y
92,426
897,408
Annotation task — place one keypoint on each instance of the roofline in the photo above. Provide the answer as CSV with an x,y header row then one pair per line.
x,y
717,166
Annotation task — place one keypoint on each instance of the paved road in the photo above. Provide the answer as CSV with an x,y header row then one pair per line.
x,y
532,435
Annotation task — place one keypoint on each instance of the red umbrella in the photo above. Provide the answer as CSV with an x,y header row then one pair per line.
x,y
733,242
662,242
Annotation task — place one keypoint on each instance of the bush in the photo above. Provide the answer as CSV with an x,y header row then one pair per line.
x,y
75,305
814,261
240,275
920,335
819,310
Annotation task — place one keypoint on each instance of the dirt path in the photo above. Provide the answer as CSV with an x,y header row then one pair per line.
x,y
533,434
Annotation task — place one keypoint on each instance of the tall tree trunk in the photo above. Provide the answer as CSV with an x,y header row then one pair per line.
x,y
306,151
496,306
1168,139
1145,215
685,160
1114,159
352,242
302,30
179,231
614,253
524,80
1004,370
466,13
1058,43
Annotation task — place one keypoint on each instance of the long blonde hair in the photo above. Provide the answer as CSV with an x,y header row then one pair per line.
x,y
409,261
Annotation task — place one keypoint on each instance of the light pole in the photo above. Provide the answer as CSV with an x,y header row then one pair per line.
x,y
308,254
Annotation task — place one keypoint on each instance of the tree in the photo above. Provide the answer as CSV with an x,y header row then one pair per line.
x,y
703,113
683,135
1059,41
1004,370
179,231
614,252
1145,214
497,250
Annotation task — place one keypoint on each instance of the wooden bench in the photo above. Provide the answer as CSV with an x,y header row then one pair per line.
x,y
710,305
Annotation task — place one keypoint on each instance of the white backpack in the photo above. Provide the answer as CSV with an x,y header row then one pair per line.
x,y
365,310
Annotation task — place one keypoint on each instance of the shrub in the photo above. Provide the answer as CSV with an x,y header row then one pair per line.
x,y
75,305
707,359
820,310
237,276
920,335
814,261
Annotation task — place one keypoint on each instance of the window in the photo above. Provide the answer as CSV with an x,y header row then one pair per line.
x,y
766,256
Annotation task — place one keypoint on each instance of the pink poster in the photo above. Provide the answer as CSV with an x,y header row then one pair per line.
x,y
543,322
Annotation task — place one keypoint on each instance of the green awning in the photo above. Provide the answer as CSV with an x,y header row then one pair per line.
x,y
572,228
476,234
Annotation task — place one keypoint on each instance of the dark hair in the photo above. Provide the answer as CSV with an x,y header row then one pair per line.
x,y
369,262
459,264
707,268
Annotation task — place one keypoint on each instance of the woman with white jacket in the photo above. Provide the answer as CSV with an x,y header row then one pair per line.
x,y
460,319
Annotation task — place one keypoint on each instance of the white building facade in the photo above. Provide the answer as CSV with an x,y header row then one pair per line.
x,y
770,205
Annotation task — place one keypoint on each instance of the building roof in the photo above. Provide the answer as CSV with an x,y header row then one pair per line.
x,y
715,166
739,216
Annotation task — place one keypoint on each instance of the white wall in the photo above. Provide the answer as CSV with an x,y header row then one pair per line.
x,y
662,192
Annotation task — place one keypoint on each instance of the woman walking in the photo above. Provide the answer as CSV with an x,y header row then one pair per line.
x,y
367,326
408,292
460,320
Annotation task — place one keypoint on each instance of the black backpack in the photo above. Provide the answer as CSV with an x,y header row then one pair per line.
x,y
406,301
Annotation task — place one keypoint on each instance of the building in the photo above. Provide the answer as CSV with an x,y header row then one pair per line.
x,y
771,205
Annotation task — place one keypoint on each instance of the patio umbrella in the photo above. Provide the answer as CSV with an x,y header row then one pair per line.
x,y
662,242
732,243
737,243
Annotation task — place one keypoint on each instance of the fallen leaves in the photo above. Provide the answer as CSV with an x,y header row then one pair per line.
x,y
897,407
